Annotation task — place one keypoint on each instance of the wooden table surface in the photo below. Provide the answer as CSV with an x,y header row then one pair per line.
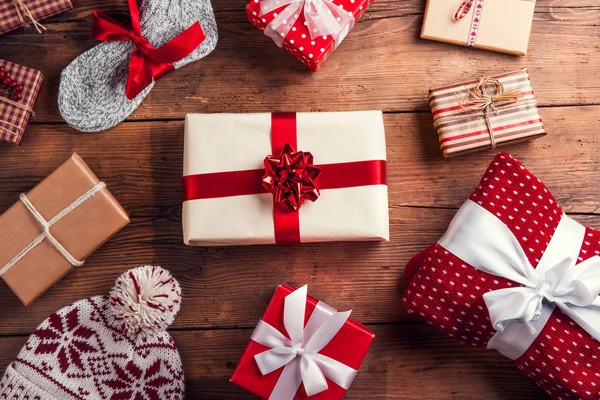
x,y
382,65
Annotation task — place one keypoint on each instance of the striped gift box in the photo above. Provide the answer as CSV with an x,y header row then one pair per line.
x,y
39,9
466,127
14,119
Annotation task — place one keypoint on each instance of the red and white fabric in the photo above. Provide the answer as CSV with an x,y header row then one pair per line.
x,y
89,350
451,294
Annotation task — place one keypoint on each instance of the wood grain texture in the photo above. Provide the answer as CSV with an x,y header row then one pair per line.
x,y
405,362
142,162
231,287
239,75
383,64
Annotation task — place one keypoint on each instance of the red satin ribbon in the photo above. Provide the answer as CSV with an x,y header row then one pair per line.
x,y
241,183
147,62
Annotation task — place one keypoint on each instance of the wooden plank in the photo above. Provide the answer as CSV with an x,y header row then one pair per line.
x,y
405,362
142,162
562,61
231,287
230,10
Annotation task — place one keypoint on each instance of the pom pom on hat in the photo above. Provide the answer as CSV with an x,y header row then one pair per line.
x,y
144,301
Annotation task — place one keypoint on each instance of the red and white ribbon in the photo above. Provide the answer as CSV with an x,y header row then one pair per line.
x,y
464,10
519,313
322,18
299,355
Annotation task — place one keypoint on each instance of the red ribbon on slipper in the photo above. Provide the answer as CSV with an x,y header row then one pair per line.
x,y
147,62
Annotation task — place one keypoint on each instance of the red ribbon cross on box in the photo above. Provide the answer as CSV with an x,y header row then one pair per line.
x,y
250,182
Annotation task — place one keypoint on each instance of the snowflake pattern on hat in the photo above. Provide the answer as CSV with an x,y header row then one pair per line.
x,y
80,352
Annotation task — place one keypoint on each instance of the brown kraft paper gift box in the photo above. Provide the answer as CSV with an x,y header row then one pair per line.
x,y
80,232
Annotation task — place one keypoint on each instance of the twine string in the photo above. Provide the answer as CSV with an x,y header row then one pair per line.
x,y
46,227
479,99
18,105
21,9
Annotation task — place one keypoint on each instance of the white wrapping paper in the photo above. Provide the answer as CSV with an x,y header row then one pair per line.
x,y
234,142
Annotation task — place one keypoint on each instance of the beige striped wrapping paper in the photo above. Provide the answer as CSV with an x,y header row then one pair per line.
x,y
462,127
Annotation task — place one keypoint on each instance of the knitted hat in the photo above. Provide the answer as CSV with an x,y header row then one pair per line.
x,y
107,347
91,95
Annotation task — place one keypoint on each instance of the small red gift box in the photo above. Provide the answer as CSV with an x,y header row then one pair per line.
x,y
311,31
15,112
514,273
301,343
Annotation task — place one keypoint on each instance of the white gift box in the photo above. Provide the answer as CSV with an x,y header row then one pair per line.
x,y
218,143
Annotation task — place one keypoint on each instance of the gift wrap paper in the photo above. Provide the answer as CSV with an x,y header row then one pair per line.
x,y
237,142
497,25
462,130
14,120
40,10
349,347
313,52
449,293
81,232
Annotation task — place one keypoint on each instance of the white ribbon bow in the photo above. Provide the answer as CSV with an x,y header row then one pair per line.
x,y
300,355
322,18
519,313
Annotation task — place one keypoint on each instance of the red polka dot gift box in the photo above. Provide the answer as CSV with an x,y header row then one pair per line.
x,y
514,273
309,29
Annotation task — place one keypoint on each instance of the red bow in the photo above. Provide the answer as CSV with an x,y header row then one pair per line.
x,y
147,62
290,177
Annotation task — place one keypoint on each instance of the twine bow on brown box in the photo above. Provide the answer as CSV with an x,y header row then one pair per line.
x,y
485,113
479,99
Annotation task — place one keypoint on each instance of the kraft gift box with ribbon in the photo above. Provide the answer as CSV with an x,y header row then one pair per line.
x,y
15,14
498,25
514,273
284,178
15,112
486,113
302,348
55,227
309,29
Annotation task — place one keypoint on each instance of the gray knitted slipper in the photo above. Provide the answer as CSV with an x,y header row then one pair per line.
x,y
91,95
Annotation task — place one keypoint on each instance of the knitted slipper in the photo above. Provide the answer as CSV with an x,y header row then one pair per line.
x,y
92,94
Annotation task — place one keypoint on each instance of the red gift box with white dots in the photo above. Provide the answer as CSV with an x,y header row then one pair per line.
x,y
312,52
447,293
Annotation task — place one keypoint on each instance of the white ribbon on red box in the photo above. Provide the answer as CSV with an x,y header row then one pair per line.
x,y
519,314
322,18
300,355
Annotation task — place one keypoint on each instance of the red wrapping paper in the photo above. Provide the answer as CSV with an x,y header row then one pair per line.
x,y
447,293
14,120
311,52
349,347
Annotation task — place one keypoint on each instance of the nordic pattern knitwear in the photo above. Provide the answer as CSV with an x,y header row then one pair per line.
x,y
78,353
91,95
447,293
